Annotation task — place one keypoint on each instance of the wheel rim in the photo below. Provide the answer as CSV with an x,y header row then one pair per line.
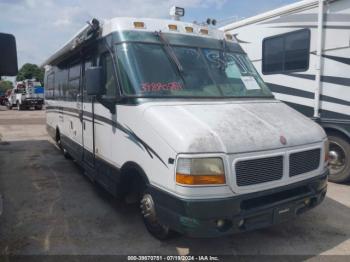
x,y
337,158
148,209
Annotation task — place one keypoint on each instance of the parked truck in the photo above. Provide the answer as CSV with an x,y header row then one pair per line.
x,y
28,93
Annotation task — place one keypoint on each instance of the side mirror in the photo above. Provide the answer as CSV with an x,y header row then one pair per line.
x,y
93,81
8,55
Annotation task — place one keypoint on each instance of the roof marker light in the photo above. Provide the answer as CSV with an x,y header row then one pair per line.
x,y
189,29
204,31
172,27
139,24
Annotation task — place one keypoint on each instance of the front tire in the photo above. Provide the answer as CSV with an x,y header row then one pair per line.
x,y
339,159
150,219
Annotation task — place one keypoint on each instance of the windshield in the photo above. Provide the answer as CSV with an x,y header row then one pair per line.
x,y
147,70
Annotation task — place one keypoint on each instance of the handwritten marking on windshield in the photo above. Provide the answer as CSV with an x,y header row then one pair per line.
x,y
157,87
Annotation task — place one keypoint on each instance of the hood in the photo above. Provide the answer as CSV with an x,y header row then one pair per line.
x,y
233,127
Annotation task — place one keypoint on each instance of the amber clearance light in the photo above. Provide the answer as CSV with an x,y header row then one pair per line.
x,y
172,27
204,31
189,29
326,151
139,24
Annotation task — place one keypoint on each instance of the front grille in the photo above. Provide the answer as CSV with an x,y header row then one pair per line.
x,y
257,171
303,162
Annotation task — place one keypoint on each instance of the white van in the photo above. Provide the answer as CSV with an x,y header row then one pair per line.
x,y
175,114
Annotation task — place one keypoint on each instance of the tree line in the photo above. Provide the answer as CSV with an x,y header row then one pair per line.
x,y
27,71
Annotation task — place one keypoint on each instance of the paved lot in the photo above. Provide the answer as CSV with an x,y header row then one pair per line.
x,y
51,208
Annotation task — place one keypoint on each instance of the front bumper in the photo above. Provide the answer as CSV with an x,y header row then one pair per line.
x,y
198,218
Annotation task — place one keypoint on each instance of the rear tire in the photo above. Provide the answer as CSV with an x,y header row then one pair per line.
x,y
339,159
38,108
60,146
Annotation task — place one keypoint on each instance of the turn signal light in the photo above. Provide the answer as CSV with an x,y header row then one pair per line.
x,y
200,179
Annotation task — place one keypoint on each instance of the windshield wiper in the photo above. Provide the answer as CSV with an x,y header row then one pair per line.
x,y
223,59
169,50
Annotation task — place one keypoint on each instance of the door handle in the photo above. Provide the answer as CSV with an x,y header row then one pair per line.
x,y
84,125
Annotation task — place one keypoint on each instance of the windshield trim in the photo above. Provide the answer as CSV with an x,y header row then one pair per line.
x,y
132,36
176,45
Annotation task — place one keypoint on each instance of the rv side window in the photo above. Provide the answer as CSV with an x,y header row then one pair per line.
x,y
50,81
61,83
74,83
286,53
108,75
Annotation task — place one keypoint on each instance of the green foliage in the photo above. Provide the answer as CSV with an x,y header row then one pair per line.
x,y
5,85
30,71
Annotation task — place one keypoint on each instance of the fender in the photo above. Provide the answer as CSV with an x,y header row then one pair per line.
x,y
132,165
337,127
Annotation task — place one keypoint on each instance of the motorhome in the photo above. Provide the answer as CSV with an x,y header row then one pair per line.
x,y
174,115
26,94
302,52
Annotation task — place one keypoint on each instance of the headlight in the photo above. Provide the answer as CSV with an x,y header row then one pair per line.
x,y
200,171
326,150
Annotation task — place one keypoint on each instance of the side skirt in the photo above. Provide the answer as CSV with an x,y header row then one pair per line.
x,y
104,173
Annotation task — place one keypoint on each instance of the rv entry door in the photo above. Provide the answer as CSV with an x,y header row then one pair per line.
x,y
88,120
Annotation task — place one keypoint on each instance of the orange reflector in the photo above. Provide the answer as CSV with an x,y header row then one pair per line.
x,y
326,151
139,24
189,29
200,179
229,37
204,31
172,27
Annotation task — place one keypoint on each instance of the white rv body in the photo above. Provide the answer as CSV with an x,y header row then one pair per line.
x,y
320,90
147,138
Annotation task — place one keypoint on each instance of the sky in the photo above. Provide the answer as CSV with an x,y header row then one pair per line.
x,y
42,26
